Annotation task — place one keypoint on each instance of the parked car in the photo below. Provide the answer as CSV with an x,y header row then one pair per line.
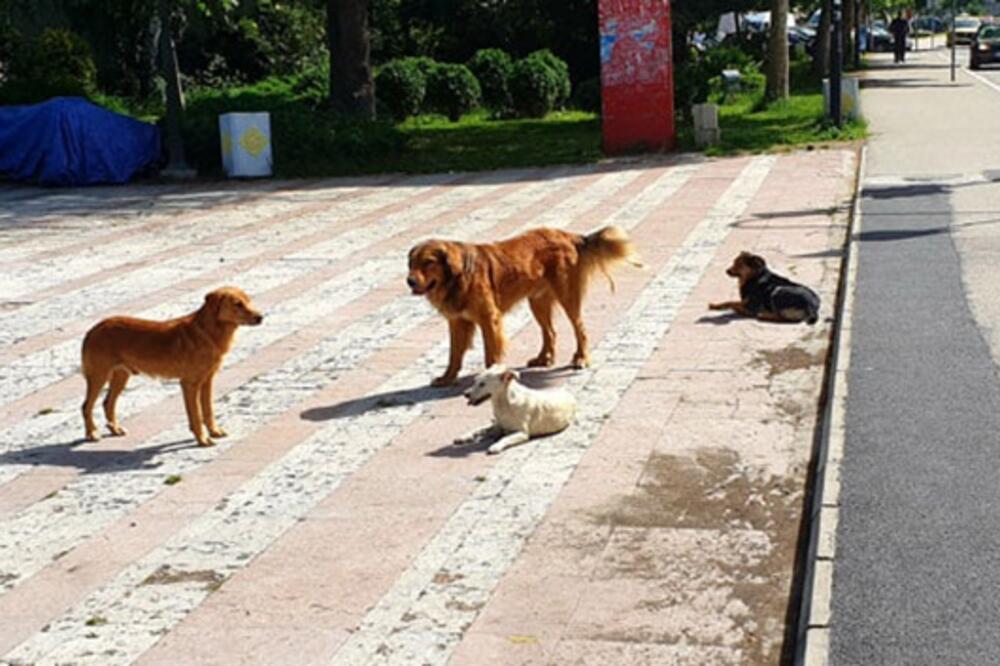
x,y
928,24
966,28
985,47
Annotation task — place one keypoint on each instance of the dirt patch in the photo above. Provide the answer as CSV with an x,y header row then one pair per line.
x,y
714,490
446,577
789,359
165,575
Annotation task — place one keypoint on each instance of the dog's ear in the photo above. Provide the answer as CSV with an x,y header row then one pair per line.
x,y
213,301
756,262
450,258
508,376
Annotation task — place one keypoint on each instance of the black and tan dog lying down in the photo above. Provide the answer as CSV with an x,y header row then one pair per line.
x,y
769,296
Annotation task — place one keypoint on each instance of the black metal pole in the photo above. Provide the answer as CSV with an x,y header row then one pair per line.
x,y
836,61
954,11
857,35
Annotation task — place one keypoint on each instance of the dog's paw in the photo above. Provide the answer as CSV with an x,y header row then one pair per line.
x,y
116,430
205,441
716,306
495,449
443,380
217,432
581,362
93,436
541,361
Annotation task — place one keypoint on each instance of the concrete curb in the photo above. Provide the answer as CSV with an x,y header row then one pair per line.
x,y
814,621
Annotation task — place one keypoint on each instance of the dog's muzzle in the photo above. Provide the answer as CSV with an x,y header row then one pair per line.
x,y
475,402
731,273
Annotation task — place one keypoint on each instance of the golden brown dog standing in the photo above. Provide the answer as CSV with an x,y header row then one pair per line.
x,y
474,285
189,348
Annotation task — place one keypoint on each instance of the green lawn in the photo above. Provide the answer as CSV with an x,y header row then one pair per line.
x,y
796,122
477,143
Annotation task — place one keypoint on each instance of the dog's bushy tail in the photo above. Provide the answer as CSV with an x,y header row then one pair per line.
x,y
604,248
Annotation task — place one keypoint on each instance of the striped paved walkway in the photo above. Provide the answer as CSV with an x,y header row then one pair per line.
x,y
336,524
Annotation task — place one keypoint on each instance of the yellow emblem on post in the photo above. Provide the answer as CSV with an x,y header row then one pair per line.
x,y
253,141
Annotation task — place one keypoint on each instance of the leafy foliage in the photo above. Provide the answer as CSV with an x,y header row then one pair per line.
x,y
534,87
56,63
561,71
492,68
401,87
452,90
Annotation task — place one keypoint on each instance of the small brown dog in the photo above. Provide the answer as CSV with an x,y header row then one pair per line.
x,y
768,296
474,285
189,348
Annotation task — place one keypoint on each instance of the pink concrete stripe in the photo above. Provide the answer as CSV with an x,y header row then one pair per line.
x,y
421,485
27,607
72,329
138,263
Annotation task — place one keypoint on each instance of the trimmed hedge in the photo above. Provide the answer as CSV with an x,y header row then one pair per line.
x,y
452,90
492,68
561,71
401,86
56,63
534,87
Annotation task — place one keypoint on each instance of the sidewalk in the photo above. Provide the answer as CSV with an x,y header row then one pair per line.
x,y
337,523
916,554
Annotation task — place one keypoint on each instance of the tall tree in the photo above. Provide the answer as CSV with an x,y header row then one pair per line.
x,y
173,93
822,61
850,25
352,90
777,65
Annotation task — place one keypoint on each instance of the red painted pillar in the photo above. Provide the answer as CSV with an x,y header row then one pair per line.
x,y
637,75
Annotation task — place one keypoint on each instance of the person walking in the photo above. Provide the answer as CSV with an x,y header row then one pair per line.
x,y
900,29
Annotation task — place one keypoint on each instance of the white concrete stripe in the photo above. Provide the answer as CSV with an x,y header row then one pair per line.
x,y
30,539
312,305
83,303
421,619
226,539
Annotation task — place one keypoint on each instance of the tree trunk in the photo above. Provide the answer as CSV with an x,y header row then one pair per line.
x,y
822,62
849,31
777,68
173,93
352,90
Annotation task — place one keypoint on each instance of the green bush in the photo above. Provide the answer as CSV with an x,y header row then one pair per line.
x,y
453,90
561,70
401,87
492,68
587,96
305,140
534,87
56,63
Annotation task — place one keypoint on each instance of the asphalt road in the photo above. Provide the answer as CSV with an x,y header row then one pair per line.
x,y
918,542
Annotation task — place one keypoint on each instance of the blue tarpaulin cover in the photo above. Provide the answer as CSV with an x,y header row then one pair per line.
x,y
69,141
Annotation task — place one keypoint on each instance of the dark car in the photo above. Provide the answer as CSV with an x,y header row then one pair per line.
x,y
985,46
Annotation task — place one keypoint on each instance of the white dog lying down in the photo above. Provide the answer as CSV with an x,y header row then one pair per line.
x,y
519,412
